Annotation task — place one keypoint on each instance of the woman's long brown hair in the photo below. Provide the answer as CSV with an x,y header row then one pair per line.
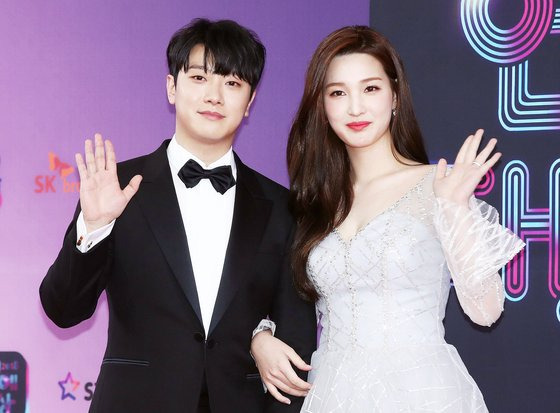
x,y
320,185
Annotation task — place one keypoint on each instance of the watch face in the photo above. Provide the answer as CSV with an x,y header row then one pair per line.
x,y
13,382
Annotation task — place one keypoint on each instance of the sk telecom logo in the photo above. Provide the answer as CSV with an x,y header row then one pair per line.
x,y
61,170
519,109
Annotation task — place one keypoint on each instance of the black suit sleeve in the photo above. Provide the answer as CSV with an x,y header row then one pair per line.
x,y
296,326
73,284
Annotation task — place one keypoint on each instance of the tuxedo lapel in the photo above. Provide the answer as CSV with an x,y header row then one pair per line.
x,y
250,217
158,201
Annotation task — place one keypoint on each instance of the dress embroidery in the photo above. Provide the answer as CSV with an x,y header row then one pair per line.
x,y
383,297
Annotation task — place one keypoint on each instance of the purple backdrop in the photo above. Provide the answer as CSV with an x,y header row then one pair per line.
x,y
70,69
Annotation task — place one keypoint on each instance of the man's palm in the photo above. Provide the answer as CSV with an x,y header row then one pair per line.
x,y
101,198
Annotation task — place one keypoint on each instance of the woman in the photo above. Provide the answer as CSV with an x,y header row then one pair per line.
x,y
380,233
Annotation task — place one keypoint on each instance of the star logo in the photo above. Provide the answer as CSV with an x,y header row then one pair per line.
x,y
68,386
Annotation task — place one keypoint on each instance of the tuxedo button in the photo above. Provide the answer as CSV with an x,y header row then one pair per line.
x,y
210,344
198,337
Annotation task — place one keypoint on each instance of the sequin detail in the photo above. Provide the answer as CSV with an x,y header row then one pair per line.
x,y
382,301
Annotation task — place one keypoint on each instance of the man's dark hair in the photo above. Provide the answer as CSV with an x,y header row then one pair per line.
x,y
229,47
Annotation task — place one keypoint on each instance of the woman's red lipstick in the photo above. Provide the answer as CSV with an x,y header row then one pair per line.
x,y
357,126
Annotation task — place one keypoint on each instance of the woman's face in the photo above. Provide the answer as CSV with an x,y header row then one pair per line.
x,y
358,100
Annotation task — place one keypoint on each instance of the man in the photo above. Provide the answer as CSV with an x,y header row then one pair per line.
x,y
192,253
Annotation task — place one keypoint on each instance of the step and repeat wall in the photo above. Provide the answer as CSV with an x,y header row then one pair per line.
x,y
495,64
70,69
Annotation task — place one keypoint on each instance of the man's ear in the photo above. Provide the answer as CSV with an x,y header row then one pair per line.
x,y
170,85
249,104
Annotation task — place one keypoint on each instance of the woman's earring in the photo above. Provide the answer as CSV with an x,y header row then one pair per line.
x,y
394,112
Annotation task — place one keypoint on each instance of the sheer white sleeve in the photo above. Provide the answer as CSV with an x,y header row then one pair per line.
x,y
476,246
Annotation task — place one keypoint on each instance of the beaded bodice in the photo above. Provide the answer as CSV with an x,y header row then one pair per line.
x,y
382,301
388,285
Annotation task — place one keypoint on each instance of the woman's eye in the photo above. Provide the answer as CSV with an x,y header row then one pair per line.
x,y
371,88
336,93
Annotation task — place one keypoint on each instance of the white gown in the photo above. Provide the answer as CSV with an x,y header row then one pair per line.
x,y
383,298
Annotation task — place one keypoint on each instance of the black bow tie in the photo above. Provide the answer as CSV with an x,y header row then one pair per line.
x,y
221,177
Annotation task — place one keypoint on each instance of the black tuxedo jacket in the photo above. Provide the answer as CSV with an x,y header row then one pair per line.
x,y
157,352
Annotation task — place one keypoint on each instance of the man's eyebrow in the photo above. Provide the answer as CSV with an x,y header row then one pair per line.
x,y
197,67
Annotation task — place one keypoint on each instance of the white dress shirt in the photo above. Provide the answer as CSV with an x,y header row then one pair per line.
x,y
207,216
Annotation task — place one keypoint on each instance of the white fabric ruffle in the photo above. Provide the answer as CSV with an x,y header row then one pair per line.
x,y
418,378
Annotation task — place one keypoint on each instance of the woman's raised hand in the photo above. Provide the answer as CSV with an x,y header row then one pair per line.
x,y
469,168
101,198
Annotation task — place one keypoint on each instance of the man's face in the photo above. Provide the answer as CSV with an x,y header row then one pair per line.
x,y
209,107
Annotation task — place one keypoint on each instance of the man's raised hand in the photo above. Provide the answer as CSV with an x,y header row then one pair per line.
x,y
101,198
